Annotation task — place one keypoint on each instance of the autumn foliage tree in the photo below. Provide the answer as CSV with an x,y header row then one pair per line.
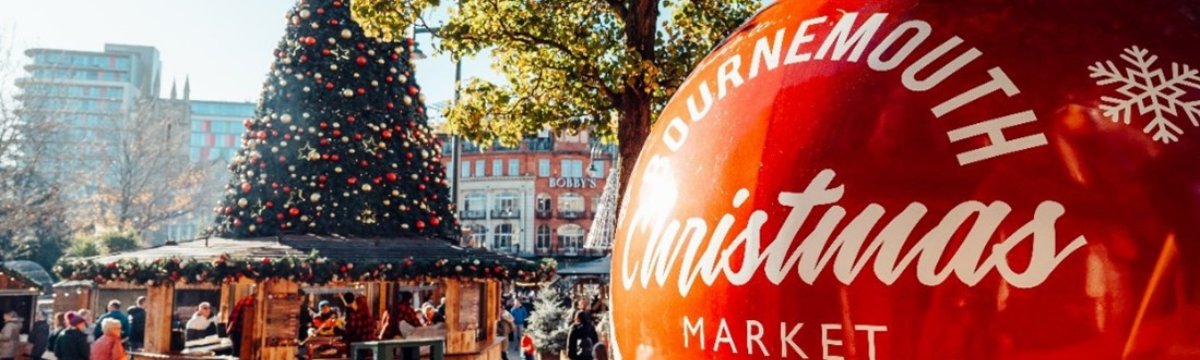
x,y
608,66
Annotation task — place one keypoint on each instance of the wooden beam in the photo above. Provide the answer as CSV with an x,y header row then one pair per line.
x,y
272,287
160,305
492,304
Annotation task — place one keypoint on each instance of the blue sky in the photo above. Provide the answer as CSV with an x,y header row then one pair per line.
x,y
224,45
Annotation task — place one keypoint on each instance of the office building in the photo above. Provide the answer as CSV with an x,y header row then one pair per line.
x,y
84,94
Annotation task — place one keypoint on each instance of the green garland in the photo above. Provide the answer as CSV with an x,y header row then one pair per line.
x,y
312,269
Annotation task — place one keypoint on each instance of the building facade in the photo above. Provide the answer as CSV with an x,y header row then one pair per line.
x,y
93,101
83,94
534,200
217,128
215,133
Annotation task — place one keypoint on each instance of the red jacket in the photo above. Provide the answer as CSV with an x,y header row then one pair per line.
x,y
527,345
108,347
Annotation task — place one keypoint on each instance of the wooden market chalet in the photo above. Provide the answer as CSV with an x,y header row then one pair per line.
x,y
275,270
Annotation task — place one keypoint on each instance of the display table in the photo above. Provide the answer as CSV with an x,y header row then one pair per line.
x,y
437,347
151,356
207,346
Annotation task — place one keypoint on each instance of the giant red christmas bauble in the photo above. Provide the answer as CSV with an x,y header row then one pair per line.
x,y
904,180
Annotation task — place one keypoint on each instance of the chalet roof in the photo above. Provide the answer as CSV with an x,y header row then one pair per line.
x,y
310,259
207,249
33,271
601,266
354,249
15,282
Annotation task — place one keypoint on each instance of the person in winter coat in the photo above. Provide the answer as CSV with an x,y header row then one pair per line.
x,y
72,344
582,337
527,346
203,323
108,346
60,325
114,312
39,336
10,336
137,323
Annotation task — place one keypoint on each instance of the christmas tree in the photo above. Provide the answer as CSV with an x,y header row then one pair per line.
x,y
551,321
339,144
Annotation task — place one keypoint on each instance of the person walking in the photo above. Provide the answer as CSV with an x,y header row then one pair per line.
x,y
581,337
519,315
600,351
505,330
72,344
137,323
60,325
527,347
108,346
114,312
10,336
86,315
39,336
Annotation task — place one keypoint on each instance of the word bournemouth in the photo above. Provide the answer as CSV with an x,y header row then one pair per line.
x,y
846,42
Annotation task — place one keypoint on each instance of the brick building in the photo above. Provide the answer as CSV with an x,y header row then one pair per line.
x,y
537,199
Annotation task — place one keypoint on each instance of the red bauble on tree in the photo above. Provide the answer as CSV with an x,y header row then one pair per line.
x,y
353,121
906,180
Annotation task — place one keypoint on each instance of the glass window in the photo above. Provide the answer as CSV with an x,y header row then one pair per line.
x,y
597,169
474,201
505,202
570,202
497,167
474,206
514,167
478,233
544,167
503,238
543,237
570,236
543,202
479,168
564,169
466,169
572,168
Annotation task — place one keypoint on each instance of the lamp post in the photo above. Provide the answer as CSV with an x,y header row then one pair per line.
x,y
455,152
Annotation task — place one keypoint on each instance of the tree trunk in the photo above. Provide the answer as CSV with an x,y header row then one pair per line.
x,y
641,25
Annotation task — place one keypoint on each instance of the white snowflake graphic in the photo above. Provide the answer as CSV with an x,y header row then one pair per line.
x,y
1151,91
